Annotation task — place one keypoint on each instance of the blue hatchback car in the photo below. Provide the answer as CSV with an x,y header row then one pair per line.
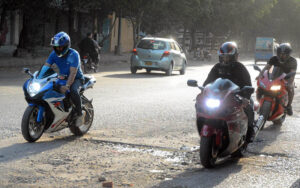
x,y
158,54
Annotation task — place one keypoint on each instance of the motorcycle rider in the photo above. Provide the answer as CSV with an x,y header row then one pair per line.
x,y
288,64
68,62
229,68
89,46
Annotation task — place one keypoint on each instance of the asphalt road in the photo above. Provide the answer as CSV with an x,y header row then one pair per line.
x,y
135,114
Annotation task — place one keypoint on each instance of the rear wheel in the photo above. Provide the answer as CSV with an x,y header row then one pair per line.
x,y
182,71
170,70
32,130
88,117
208,152
133,70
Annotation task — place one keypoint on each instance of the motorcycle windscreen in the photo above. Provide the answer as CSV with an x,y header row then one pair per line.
x,y
222,86
275,72
44,74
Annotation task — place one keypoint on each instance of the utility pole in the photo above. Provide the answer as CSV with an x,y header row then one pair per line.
x,y
119,46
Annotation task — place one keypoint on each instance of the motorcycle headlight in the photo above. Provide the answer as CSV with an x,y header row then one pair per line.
x,y
33,89
275,87
213,103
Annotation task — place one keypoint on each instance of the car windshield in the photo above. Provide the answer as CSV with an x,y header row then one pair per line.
x,y
49,72
152,44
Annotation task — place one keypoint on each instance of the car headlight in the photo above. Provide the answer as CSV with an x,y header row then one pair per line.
x,y
213,103
33,89
276,87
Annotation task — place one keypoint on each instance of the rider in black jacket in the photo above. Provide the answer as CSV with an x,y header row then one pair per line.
x,y
288,64
229,68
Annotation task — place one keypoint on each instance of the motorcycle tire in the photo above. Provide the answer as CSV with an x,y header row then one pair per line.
x,y
88,109
85,68
280,120
208,155
31,130
265,111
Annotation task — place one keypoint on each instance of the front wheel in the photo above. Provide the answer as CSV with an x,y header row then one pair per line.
x,y
88,117
208,152
32,130
264,114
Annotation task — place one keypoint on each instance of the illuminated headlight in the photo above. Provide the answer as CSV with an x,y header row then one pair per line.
x,y
212,103
33,89
276,87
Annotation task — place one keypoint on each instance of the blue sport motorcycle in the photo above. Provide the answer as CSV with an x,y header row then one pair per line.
x,y
50,111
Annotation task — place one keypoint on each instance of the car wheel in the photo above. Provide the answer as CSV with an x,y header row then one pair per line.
x,y
170,70
182,71
148,70
133,70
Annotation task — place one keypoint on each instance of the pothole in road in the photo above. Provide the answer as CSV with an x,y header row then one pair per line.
x,y
183,156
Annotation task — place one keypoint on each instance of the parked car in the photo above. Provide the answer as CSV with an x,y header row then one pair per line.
x,y
158,54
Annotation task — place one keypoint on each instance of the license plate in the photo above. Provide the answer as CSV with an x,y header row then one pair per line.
x,y
148,63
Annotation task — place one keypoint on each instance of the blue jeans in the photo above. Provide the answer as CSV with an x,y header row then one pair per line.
x,y
75,96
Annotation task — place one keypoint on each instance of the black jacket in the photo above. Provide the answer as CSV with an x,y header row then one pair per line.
x,y
236,72
287,66
88,45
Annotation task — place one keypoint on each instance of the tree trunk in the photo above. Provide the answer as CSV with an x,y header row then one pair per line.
x,y
193,40
183,37
71,19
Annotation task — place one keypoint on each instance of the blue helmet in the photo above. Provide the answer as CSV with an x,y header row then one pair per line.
x,y
61,43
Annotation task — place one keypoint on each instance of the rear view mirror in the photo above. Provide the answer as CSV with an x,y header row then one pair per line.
x,y
192,83
289,75
26,70
256,68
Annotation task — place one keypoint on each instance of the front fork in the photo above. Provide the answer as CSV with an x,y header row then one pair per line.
x,y
208,131
40,114
263,116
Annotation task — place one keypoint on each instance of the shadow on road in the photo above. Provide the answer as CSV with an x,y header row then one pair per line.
x,y
204,177
23,150
296,184
139,75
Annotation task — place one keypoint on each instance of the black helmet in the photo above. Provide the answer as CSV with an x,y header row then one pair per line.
x,y
284,48
228,53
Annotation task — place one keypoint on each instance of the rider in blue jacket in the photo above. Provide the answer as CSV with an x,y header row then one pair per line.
x,y
68,62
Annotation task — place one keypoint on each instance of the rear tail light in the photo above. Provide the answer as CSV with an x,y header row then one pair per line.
x,y
85,57
134,51
165,54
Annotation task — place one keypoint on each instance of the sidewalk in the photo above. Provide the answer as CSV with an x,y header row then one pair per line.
x,y
9,62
